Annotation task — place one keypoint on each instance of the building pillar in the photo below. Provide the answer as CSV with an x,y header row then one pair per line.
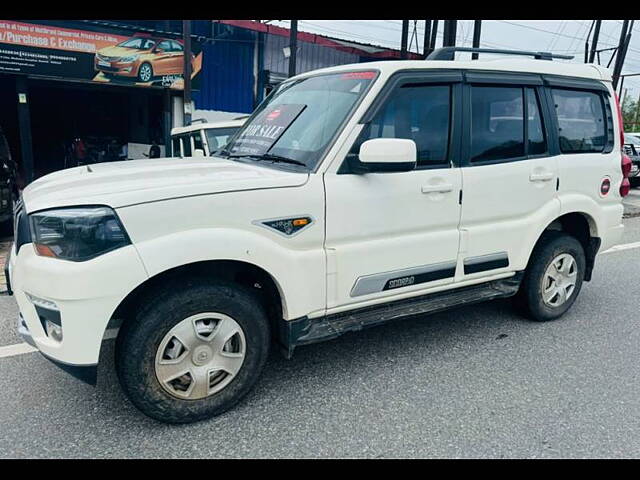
x,y
24,127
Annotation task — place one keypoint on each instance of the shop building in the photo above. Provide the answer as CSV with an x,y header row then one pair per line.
x,y
106,90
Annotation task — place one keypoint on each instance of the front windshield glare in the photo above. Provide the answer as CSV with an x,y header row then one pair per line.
x,y
299,120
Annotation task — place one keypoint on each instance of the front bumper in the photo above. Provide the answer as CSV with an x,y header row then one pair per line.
x,y
86,373
117,68
84,296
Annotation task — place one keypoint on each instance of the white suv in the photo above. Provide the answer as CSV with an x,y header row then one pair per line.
x,y
354,195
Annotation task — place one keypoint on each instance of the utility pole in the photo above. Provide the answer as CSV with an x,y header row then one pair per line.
x,y
434,34
403,41
477,27
450,28
186,39
426,50
594,43
293,47
623,44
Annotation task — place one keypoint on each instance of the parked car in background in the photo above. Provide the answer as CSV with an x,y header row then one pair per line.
x,y
142,57
632,149
203,138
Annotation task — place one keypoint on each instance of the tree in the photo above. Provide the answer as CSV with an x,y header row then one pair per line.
x,y
631,114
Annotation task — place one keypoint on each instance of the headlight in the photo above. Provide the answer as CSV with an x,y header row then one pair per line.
x,y
129,59
78,233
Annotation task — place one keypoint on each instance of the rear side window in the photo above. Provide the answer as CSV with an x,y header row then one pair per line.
x,y
419,113
186,145
581,124
497,123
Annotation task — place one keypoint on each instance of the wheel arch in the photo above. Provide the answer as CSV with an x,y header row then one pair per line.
x,y
243,273
581,226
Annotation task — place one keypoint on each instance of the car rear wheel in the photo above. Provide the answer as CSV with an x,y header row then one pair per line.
x,y
193,352
145,73
553,278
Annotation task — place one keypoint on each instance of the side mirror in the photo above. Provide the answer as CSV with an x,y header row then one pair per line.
x,y
388,155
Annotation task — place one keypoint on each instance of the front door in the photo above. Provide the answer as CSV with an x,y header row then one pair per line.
x,y
395,234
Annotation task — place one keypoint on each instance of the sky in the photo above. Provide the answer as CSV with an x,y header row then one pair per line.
x,y
558,36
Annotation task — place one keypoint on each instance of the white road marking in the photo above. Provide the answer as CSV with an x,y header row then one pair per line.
x,y
624,246
17,349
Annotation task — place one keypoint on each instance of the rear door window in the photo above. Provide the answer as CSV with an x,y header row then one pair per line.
x,y
581,123
497,123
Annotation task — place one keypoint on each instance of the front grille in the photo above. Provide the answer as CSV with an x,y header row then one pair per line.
x,y
108,59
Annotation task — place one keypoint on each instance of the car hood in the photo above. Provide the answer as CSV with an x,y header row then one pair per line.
x,y
119,184
120,51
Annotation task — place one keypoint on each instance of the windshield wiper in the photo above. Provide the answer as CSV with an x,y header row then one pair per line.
x,y
273,158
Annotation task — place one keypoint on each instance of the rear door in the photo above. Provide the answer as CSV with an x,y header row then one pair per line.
x,y
510,173
395,234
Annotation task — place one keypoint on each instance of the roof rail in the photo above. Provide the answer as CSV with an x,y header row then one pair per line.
x,y
199,120
448,53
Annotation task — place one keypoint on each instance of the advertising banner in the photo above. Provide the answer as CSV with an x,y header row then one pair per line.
x,y
141,60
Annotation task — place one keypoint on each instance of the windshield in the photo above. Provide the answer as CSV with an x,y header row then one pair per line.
x,y
217,138
298,121
138,43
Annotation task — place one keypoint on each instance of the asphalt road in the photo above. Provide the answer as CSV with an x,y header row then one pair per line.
x,y
472,382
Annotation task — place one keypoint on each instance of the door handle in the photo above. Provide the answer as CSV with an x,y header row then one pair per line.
x,y
541,177
440,188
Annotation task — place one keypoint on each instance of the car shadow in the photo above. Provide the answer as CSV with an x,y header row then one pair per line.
x,y
317,367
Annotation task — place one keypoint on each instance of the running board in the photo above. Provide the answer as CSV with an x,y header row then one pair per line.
x,y
304,331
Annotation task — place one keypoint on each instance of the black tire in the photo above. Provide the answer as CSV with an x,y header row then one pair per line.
x,y
140,337
529,301
140,75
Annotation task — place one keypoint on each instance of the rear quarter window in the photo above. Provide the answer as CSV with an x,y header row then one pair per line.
x,y
581,121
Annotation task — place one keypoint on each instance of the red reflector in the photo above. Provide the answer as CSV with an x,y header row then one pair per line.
x,y
605,186
365,75
625,187
626,166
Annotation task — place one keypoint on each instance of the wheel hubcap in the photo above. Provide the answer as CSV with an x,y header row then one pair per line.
x,y
559,281
146,73
200,355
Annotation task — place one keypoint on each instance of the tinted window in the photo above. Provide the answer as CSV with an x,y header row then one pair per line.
x,y
581,125
176,146
176,47
537,142
497,123
165,46
197,141
186,145
418,113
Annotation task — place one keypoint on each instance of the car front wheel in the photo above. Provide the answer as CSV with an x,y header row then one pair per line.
x,y
193,352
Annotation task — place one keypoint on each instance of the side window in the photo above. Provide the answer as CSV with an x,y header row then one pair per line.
x,y
497,123
197,141
165,46
581,125
176,47
186,145
537,144
175,142
419,113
